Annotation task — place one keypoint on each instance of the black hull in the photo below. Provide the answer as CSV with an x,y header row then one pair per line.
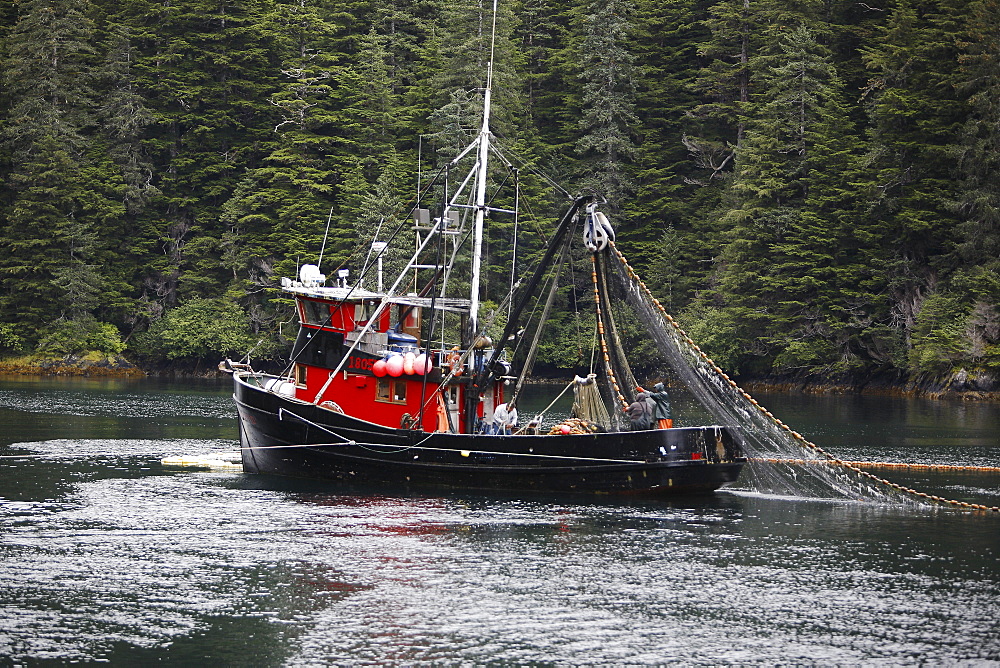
x,y
282,436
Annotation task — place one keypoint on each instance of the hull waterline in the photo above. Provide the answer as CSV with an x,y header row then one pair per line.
x,y
282,436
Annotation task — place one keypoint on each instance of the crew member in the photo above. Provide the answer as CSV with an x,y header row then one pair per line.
x,y
504,419
640,411
661,407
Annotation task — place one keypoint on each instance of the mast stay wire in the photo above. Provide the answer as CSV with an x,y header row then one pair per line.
x,y
545,287
369,264
529,166
529,359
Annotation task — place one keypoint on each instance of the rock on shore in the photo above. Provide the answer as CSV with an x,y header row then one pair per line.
x,y
966,384
91,364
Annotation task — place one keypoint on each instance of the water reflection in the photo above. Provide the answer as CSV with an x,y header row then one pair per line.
x,y
910,430
105,555
647,582
174,566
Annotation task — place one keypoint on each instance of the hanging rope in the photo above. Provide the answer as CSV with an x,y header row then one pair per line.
x,y
617,350
600,335
539,416
799,438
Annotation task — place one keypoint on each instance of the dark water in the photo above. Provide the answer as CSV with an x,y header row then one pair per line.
x,y
108,556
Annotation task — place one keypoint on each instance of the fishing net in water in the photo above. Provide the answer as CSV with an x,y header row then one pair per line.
x,y
781,461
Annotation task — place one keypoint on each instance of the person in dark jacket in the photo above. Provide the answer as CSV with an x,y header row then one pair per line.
x,y
640,411
661,407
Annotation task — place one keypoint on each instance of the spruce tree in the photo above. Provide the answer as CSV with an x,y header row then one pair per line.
x,y
664,234
606,145
976,285
59,220
788,266
979,151
412,36
375,179
467,46
207,71
915,118
275,219
124,118
549,72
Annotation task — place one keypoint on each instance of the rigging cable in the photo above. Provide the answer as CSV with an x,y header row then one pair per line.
x,y
529,359
326,234
430,338
600,329
528,166
513,251
617,350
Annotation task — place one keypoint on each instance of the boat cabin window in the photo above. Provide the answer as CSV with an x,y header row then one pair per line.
x,y
318,347
314,313
391,390
300,375
408,318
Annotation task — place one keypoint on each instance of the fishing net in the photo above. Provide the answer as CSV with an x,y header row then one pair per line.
x,y
781,461
588,403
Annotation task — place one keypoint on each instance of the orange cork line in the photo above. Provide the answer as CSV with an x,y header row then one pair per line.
x,y
887,465
832,461
600,329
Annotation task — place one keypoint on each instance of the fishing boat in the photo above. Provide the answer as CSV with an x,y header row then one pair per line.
x,y
402,386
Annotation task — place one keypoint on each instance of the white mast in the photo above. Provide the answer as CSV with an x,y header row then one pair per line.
x,y
484,151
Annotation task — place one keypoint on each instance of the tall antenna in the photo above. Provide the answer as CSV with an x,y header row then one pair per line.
x,y
493,46
322,249
481,165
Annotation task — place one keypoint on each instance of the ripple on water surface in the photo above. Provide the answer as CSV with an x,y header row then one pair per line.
x,y
176,564
106,555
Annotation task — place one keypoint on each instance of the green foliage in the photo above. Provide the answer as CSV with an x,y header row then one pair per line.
x,y
939,338
55,233
608,76
983,332
717,332
812,353
915,115
788,271
201,329
978,287
568,341
10,340
73,337
190,152
978,152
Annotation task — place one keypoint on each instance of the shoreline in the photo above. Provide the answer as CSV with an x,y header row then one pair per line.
x,y
957,384
907,391
960,384
107,366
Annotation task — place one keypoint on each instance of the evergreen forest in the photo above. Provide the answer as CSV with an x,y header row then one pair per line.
x,y
809,187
